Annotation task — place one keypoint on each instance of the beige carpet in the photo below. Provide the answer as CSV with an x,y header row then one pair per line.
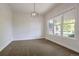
x,y
39,47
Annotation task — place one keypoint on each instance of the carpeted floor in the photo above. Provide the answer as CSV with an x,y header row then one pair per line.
x,y
39,47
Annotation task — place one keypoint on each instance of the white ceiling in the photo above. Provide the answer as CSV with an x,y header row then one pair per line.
x,y
41,8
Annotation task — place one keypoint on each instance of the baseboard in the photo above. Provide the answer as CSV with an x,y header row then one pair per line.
x,y
17,40
28,39
5,46
62,45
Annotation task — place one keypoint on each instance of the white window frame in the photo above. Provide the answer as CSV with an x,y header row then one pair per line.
x,y
52,25
62,19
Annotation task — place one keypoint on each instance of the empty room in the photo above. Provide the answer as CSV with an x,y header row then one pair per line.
x,y
39,29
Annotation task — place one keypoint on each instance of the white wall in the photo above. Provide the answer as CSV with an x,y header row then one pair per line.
x,y
18,26
5,26
27,27
67,42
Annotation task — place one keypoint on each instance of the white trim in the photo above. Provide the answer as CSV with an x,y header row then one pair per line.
x,y
29,38
17,40
62,45
5,46
62,18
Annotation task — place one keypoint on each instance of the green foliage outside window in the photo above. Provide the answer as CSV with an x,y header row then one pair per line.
x,y
68,27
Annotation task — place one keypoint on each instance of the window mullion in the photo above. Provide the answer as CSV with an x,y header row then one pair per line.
x,y
62,18
53,26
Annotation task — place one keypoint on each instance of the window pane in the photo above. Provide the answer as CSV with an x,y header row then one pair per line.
x,y
68,30
69,24
50,26
57,25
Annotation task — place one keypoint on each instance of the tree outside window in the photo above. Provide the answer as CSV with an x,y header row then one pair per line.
x,y
68,28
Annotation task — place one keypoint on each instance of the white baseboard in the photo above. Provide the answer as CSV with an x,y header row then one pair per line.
x,y
62,45
28,38
5,45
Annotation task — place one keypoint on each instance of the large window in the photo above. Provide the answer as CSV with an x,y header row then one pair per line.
x,y
69,24
50,23
63,25
57,25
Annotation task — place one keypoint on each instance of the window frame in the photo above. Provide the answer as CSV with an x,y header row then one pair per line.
x,y
52,26
62,21
55,18
73,9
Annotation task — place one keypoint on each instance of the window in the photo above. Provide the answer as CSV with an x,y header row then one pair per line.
x,y
50,23
69,24
57,25
63,25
